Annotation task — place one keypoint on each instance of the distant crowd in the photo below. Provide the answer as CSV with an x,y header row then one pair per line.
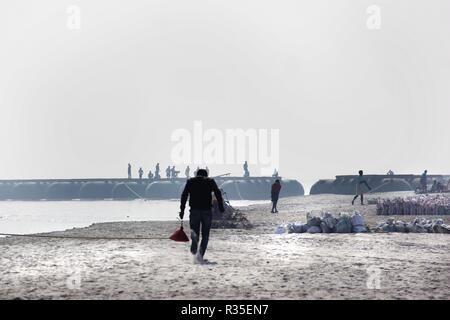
x,y
436,187
172,173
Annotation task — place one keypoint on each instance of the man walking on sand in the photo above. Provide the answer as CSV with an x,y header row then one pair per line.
x,y
276,187
199,190
361,185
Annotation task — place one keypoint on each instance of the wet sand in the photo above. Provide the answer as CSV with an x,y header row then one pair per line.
x,y
242,264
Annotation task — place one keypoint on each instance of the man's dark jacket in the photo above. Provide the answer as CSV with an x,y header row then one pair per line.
x,y
199,190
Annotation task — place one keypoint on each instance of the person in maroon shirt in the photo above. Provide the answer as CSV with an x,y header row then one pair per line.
x,y
276,187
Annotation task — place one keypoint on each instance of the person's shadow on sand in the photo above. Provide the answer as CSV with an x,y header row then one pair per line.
x,y
207,262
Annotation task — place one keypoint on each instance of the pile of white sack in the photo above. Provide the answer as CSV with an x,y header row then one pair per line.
x,y
418,225
327,223
436,204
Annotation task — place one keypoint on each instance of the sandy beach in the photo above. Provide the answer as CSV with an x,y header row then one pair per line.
x,y
242,264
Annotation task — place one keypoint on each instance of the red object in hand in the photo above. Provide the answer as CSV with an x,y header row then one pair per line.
x,y
179,235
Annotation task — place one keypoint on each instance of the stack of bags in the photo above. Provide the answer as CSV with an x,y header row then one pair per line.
x,y
354,223
418,225
327,223
438,204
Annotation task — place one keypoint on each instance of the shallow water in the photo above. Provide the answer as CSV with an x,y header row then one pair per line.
x,y
45,216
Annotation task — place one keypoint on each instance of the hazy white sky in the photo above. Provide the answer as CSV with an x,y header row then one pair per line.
x,y
84,103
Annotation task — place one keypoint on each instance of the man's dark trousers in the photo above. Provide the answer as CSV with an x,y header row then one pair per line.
x,y
199,217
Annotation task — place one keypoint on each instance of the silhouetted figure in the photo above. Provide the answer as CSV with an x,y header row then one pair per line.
x,y
440,187
275,193
246,172
141,173
174,173
423,181
186,172
150,175
390,173
434,186
168,170
129,171
157,171
199,190
361,185
275,173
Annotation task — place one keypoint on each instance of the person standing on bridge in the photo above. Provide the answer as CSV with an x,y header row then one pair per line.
x,y
157,171
275,173
174,173
168,172
129,171
246,172
423,181
140,172
187,172
275,193
361,185
150,175
199,190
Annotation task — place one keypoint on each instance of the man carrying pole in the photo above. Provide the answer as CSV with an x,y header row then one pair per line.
x,y
361,185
